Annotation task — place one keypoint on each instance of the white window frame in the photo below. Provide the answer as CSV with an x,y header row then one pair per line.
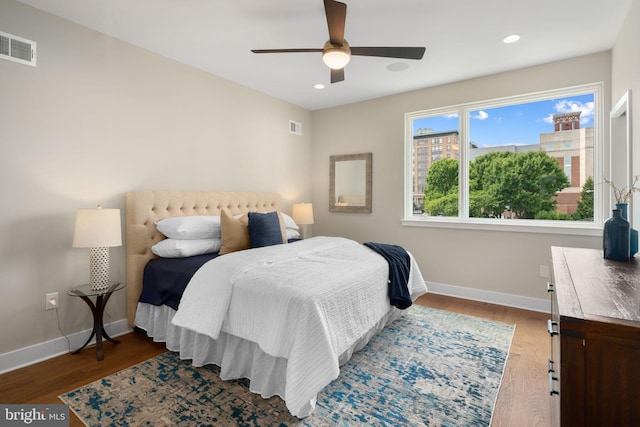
x,y
463,221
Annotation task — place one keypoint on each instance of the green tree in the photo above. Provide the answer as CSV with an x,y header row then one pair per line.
x,y
529,183
485,175
443,206
585,205
482,204
524,183
441,191
482,171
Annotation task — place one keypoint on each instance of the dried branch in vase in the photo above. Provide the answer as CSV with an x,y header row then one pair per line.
x,y
623,194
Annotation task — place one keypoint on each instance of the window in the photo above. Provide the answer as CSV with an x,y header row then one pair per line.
x,y
567,167
522,161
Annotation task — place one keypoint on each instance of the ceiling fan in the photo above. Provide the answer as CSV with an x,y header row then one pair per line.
x,y
336,52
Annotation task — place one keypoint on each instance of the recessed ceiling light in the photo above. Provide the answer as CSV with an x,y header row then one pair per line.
x,y
398,66
318,86
511,38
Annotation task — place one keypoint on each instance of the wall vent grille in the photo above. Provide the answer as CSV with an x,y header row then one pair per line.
x,y
295,127
17,49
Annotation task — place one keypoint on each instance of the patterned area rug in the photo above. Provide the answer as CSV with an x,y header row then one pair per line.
x,y
431,367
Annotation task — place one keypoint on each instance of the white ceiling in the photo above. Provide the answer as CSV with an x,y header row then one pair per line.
x,y
462,37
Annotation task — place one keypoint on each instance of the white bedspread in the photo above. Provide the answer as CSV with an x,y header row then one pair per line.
x,y
307,302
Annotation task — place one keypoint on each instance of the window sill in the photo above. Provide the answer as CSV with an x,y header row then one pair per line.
x,y
508,225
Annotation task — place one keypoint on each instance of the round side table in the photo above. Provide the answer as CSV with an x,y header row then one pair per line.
x,y
102,297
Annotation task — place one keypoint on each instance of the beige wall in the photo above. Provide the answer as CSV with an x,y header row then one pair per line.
x,y
503,262
625,76
97,118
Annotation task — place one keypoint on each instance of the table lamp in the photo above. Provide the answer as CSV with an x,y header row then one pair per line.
x,y
98,229
303,215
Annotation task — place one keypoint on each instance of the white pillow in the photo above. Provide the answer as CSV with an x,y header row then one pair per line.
x,y
190,227
289,222
292,234
180,248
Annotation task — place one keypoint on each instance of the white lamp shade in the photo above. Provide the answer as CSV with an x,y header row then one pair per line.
x,y
97,228
303,213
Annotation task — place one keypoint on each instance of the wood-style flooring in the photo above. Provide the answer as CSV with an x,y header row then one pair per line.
x,y
523,399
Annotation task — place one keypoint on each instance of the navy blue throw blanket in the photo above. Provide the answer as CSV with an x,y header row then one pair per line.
x,y
399,267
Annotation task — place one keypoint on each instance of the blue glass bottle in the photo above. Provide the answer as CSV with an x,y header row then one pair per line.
x,y
615,238
633,233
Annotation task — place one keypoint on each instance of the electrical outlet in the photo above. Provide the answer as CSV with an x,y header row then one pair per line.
x,y
51,301
544,271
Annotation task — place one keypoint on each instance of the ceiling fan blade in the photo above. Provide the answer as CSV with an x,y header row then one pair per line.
x,y
390,52
284,50
336,17
337,75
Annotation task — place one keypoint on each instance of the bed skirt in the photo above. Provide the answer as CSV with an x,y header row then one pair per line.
x,y
237,357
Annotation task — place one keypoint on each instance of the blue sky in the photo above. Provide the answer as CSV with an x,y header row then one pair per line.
x,y
515,124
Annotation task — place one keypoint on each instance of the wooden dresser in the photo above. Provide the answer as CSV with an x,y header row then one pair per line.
x,y
594,370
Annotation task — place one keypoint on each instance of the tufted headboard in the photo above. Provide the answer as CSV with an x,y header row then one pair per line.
x,y
144,208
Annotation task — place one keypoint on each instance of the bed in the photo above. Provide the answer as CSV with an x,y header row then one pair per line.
x,y
295,312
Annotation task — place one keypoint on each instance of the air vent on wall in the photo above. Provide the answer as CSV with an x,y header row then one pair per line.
x,y
17,49
295,127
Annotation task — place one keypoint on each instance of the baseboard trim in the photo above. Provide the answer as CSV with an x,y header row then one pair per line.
x,y
509,300
49,349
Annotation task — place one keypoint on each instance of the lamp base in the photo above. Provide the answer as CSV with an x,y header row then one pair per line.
x,y
99,268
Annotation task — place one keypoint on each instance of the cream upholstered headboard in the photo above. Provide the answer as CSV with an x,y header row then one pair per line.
x,y
144,208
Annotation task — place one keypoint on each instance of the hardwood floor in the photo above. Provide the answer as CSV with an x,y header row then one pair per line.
x,y
523,399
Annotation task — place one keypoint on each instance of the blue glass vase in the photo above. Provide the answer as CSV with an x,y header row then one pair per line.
x,y
633,233
615,238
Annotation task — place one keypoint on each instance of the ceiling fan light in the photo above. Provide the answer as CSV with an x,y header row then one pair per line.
x,y
336,59
336,56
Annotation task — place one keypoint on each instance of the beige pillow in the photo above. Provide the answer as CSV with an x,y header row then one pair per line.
x,y
234,233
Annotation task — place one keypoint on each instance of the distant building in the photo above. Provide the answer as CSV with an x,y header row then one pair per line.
x,y
429,147
572,147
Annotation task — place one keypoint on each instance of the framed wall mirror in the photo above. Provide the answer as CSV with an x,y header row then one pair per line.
x,y
350,183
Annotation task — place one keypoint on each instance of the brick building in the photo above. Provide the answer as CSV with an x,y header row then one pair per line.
x,y
428,148
572,146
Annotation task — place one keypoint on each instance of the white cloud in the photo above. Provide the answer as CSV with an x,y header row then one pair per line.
x,y
451,116
569,106
481,115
